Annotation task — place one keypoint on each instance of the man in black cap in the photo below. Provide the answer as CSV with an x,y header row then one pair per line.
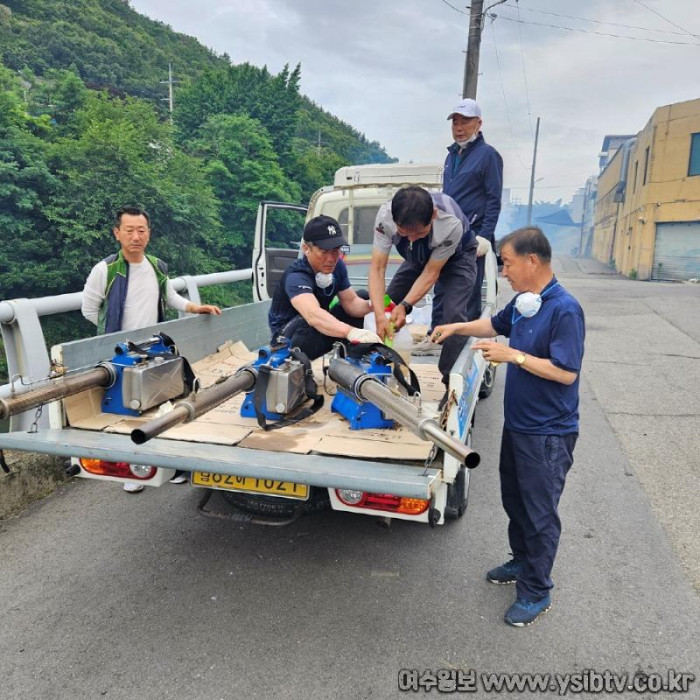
x,y
300,305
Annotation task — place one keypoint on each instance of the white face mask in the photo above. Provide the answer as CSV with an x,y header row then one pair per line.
x,y
528,304
462,144
324,279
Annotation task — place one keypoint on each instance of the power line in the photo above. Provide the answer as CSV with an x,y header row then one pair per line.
x,y
456,9
522,60
595,21
505,101
666,19
590,31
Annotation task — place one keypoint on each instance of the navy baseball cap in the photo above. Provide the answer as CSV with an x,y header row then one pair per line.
x,y
324,232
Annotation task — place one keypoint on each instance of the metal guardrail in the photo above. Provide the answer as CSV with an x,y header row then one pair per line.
x,y
62,303
25,346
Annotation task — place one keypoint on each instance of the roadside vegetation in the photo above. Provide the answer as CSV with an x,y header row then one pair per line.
x,y
84,129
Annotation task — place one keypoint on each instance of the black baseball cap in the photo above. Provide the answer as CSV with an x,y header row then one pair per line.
x,y
324,232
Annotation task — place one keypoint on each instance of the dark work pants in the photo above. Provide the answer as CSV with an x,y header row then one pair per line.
x,y
312,342
452,292
533,471
473,304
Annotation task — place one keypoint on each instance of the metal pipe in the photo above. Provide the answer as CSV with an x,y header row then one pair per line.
x,y
102,375
367,388
196,404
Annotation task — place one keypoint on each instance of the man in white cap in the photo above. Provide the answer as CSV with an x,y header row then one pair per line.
x,y
473,177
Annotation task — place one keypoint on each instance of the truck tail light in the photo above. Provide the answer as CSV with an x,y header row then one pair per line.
x,y
383,501
123,470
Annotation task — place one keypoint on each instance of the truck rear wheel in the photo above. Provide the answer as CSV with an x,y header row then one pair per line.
x,y
488,381
458,492
275,507
458,495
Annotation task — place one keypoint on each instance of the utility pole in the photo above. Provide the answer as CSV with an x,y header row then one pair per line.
x,y
532,174
477,13
169,98
471,61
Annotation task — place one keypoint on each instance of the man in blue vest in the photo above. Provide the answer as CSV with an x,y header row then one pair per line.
x,y
546,327
130,289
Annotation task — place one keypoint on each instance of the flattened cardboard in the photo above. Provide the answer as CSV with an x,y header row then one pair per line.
x,y
373,449
84,410
277,441
193,432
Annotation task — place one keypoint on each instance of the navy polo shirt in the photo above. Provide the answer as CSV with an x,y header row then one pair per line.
x,y
534,405
300,278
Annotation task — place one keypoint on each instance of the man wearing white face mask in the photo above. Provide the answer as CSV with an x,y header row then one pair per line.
x,y
546,328
300,309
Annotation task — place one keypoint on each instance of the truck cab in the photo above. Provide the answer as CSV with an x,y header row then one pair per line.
x,y
352,200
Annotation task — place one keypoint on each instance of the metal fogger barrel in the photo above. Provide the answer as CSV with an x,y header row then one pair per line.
x,y
367,388
195,405
102,375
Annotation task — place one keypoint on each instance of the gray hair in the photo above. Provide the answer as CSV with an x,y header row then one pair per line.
x,y
528,240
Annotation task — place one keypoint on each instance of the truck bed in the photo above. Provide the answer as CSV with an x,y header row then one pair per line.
x,y
322,433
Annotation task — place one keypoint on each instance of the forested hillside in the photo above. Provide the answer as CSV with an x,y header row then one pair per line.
x,y
84,130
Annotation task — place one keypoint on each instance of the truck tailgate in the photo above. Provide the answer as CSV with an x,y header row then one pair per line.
x,y
316,470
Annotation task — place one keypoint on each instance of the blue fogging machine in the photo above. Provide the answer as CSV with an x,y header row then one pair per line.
x,y
138,377
277,383
367,399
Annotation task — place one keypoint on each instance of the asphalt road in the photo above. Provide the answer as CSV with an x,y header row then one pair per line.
x,y
107,595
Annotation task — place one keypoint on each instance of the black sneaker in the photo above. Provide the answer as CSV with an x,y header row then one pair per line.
x,y
505,573
525,612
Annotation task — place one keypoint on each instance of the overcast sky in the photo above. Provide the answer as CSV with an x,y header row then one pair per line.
x,y
393,69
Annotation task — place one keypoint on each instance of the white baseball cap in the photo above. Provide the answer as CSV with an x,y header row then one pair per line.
x,y
467,108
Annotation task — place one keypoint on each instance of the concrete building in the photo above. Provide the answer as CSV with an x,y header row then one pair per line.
x,y
588,219
647,215
611,144
577,205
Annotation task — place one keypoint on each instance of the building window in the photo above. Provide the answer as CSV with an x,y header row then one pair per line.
x,y
646,165
634,181
694,167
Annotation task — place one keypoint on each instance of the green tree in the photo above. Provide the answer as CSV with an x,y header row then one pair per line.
x,y
242,168
122,154
244,90
26,185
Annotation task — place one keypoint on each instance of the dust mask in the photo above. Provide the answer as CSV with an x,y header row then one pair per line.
x,y
324,279
528,304
463,144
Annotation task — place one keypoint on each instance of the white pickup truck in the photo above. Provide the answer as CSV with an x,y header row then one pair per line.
x,y
269,477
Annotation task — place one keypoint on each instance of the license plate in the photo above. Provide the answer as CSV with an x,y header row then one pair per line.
x,y
270,487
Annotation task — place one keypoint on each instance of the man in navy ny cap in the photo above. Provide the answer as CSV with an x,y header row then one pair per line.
x,y
300,308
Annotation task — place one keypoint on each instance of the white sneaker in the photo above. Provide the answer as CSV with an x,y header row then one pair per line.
x,y
425,347
131,487
179,478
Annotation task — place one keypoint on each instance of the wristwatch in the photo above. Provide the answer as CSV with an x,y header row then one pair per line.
x,y
521,359
407,306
